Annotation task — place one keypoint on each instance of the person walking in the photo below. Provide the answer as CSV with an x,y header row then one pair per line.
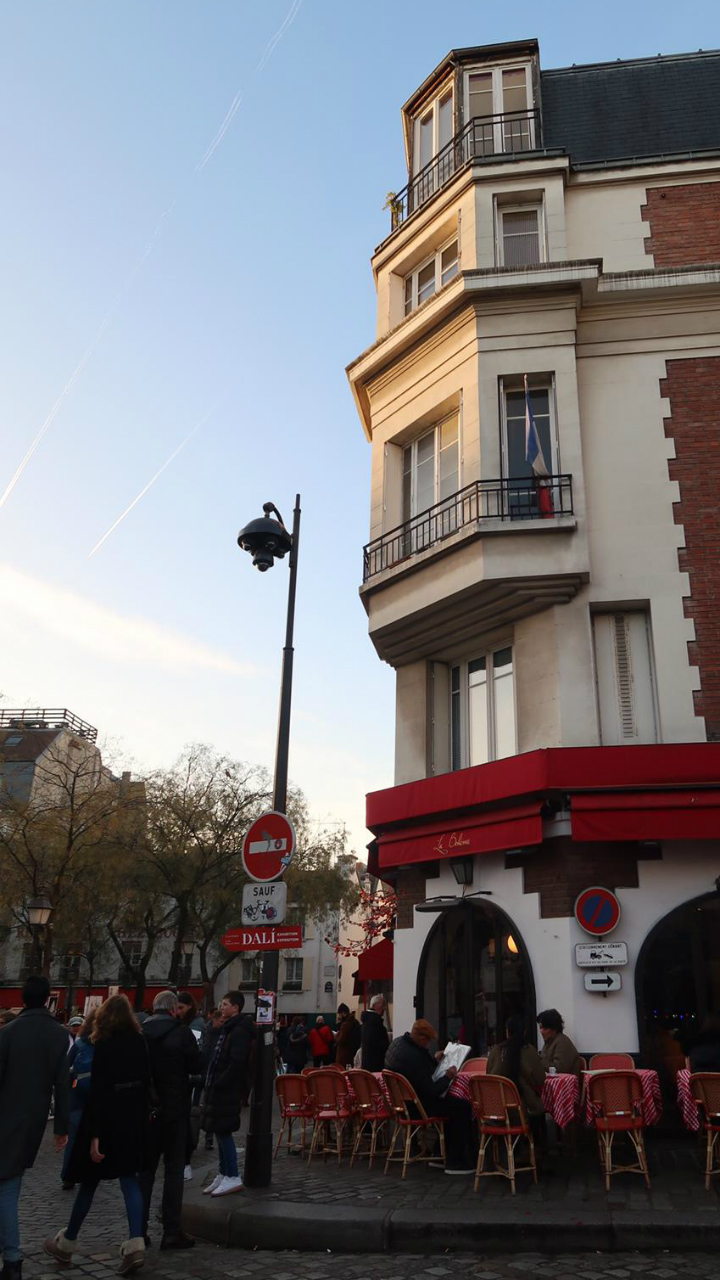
x,y
226,1080
80,1062
321,1042
112,1142
347,1037
297,1045
33,1069
174,1059
374,1037
208,1041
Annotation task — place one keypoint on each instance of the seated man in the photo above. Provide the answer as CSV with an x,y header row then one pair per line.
x,y
558,1050
409,1056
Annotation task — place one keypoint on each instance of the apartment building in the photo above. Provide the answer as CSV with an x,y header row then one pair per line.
x,y
542,401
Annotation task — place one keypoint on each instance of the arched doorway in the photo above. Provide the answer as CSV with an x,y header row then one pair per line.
x,y
677,982
474,973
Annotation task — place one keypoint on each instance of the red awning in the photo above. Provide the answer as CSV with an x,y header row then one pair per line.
x,y
648,815
376,964
489,832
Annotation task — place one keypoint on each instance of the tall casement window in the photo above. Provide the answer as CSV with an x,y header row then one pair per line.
x,y
521,495
520,235
293,974
499,99
433,130
625,681
431,473
482,709
426,279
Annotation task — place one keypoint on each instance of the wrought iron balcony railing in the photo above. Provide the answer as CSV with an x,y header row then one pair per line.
x,y
47,718
524,498
483,136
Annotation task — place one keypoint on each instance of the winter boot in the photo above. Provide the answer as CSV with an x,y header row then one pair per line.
x,y
132,1255
60,1249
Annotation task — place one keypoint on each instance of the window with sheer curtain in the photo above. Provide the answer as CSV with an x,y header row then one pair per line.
x,y
520,235
426,279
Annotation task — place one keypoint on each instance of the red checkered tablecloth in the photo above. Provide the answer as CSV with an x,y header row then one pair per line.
x,y
561,1098
688,1107
651,1099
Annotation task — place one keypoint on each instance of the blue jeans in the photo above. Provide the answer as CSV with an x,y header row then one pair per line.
x,y
132,1196
227,1155
9,1228
74,1118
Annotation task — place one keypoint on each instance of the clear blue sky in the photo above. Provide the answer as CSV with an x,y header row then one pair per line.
x,y
255,295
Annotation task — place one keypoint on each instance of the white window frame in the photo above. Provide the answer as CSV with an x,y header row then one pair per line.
x,y
519,206
413,275
464,704
497,95
447,91
436,430
510,383
291,977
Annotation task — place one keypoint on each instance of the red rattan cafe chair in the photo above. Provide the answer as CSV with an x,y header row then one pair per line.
x,y
705,1090
331,1108
500,1113
411,1119
371,1111
583,1062
616,1107
474,1066
612,1062
292,1092
306,1070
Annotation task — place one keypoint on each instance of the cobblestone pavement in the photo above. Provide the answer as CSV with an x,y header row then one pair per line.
x,y
45,1208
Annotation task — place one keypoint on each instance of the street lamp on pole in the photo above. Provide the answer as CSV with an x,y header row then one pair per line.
x,y
39,912
266,540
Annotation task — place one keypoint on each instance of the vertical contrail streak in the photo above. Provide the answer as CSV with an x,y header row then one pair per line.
x,y
110,313
150,483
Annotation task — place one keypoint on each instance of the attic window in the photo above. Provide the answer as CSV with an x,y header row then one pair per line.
x,y
13,740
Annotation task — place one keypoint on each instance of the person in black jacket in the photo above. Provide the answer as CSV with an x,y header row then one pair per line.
x,y
374,1039
113,1138
208,1041
174,1058
409,1056
225,1085
297,1045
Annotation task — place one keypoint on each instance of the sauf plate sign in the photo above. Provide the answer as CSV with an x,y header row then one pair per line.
x,y
264,903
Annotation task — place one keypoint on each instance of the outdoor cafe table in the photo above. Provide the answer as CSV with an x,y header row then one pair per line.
x,y
651,1096
688,1106
561,1098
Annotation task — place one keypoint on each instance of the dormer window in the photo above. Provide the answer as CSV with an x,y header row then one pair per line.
x,y
499,100
435,272
433,129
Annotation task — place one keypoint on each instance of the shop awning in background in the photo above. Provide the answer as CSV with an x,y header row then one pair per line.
x,y
646,815
376,965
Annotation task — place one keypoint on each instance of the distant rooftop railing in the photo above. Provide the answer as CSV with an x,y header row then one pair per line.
x,y
47,718
524,498
482,137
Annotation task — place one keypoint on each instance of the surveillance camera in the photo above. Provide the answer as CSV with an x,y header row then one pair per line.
x,y
263,559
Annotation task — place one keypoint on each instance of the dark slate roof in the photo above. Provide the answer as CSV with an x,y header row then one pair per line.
x,y
621,110
31,745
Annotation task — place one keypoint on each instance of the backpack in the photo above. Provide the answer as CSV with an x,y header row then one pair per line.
x,y
81,1069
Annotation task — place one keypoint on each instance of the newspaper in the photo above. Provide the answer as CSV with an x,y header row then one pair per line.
x,y
453,1056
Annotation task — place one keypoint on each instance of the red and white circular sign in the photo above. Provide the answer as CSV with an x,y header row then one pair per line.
x,y
268,846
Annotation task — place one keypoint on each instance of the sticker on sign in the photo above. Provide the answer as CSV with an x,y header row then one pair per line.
x,y
598,955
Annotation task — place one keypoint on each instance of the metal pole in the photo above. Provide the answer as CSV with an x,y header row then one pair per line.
x,y
259,1146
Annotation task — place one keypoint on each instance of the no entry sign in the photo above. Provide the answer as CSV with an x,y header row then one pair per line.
x,y
285,935
269,846
597,910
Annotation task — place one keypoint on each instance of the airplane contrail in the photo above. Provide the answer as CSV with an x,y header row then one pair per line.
x,y
150,483
110,313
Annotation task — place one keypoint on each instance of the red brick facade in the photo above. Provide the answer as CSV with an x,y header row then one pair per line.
x,y
693,388
684,224
561,869
410,889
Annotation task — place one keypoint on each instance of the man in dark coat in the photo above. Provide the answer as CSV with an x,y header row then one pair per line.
x,y
374,1039
225,1086
409,1056
33,1068
174,1058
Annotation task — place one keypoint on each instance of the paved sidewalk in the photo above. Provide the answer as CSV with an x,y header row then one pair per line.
x,y
44,1208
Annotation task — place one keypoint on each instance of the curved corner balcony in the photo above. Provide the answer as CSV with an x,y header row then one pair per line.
x,y
495,551
482,138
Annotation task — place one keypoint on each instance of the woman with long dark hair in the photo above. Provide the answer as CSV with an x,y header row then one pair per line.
x,y
518,1060
112,1140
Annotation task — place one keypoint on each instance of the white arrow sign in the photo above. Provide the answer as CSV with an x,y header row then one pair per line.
x,y
603,982
591,955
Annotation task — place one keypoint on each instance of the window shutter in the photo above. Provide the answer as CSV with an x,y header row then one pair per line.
x,y
623,664
623,676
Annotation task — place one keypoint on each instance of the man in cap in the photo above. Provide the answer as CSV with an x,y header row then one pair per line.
x,y
409,1055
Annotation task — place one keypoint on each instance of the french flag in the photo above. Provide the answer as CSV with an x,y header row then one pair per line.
x,y
534,455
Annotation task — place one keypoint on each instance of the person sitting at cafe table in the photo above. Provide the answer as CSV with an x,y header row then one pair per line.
x,y
558,1051
409,1056
519,1061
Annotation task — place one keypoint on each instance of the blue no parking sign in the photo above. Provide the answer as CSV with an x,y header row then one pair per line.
x,y
597,911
